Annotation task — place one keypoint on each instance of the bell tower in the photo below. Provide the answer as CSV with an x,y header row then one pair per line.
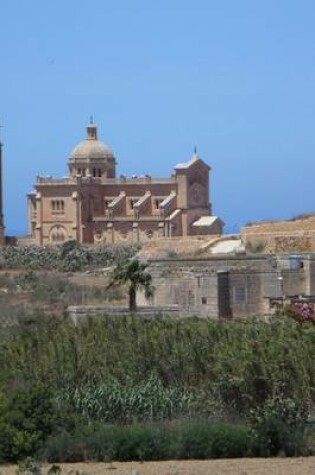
x,y
2,238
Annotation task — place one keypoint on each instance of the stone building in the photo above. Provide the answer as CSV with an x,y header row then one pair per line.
x,y
235,286
92,205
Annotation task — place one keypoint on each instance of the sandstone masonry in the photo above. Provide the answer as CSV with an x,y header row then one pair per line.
x,y
91,205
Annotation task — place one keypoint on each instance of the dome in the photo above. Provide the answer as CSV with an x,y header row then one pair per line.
x,y
91,148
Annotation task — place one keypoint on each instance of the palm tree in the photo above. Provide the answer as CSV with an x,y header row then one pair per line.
x,y
133,274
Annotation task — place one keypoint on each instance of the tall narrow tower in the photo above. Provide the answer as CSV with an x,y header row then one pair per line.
x,y
2,238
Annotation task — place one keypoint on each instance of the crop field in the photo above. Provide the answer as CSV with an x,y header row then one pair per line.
x,y
208,394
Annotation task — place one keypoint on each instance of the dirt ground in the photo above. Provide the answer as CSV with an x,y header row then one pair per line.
x,y
261,466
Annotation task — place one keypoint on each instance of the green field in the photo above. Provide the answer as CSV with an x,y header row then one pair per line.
x,y
135,388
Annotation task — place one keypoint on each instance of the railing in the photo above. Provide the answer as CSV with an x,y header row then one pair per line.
x,y
49,180
134,180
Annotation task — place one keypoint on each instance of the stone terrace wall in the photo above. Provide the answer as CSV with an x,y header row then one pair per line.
x,y
296,235
170,247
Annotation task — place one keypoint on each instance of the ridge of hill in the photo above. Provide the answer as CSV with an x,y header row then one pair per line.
x,y
292,235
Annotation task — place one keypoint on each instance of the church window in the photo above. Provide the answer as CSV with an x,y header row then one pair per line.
x,y
131,203
57,206
94,172
81,171
58,234
99,172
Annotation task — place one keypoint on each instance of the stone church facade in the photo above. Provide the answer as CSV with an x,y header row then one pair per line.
x,y
92,205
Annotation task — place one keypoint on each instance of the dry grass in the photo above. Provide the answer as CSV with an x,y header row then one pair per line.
x,y
253,466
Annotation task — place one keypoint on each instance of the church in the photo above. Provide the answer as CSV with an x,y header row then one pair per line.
x,y
92,205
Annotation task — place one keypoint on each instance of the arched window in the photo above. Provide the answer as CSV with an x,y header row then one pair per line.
x,y
57,234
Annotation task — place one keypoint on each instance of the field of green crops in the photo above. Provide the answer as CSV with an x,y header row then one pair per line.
x,y
133,388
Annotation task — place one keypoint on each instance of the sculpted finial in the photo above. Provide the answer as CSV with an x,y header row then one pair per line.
x,y
91,130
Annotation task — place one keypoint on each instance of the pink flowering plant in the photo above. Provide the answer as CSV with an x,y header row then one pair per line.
x,y
303,311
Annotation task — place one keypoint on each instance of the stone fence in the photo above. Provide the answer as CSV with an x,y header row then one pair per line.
x,y
77,312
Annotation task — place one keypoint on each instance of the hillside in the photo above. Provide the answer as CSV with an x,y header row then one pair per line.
x,y
24,294
293,235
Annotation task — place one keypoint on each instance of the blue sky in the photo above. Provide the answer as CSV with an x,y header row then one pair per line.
x,y
234,78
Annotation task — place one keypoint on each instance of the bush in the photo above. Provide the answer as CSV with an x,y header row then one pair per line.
x,y
278,428
65,446
29,466
27,418
69,257
220,440
150,442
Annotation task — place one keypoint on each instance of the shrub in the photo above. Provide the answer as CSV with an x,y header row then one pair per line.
x,y
220,440
65,446
278,427
29,417
69,257
232,395
29,466
54,470
185,439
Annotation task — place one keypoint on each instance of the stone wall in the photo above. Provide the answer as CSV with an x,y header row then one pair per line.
x,y
296,235
80,312
250,283
174,246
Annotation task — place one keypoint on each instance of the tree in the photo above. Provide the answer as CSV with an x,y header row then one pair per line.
x,y
133,274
